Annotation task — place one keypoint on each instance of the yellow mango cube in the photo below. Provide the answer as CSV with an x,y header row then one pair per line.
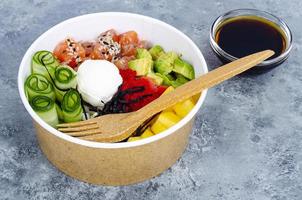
x,y
184,107
169,89
132,139
147,133
157,127
168,118
196,98
172,115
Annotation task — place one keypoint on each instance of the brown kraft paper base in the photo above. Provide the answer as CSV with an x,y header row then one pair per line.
x,y
119,166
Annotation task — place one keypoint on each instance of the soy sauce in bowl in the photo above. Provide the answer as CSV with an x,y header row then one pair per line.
x,y
245,35
241,32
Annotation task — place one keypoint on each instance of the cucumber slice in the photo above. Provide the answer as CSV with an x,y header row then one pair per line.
x,y
60,112
184,68
65,77
37,84
45,108
44,63
60,94
71,106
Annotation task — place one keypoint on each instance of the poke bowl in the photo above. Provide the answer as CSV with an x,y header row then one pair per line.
x,y
138,158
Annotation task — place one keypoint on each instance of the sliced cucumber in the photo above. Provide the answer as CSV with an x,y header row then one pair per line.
x,y
59,112
37,84
60,94
65,77
44,63
45,108
71,106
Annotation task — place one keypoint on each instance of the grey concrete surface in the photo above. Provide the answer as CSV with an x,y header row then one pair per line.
x,y
247,139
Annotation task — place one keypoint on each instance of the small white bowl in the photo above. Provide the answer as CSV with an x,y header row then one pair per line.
x,y
87,160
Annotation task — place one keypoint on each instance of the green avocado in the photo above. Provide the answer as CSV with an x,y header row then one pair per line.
x,y
167,79
183,68
180,80
143,53
156,51
164,63
170,77
142,66
158,80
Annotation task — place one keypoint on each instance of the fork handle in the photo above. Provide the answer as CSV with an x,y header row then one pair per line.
x,y
205,81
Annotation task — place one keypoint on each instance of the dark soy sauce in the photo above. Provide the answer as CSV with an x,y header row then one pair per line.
x,y
245,35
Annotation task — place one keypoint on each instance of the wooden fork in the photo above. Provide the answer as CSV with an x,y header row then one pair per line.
x,y
117,127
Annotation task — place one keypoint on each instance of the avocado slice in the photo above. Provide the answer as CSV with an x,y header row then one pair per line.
x,y
180,80
142,66
158,80
183,68
170,77
164,63
156,51
166,79
143,53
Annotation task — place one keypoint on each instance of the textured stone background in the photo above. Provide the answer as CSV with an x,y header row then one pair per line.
x,y
247,139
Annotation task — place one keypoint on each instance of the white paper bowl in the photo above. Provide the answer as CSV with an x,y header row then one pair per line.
x,y
114,163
